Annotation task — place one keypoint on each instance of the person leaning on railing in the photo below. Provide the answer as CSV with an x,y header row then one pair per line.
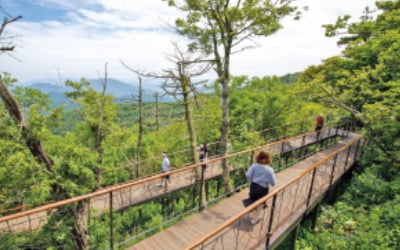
x,y
261,175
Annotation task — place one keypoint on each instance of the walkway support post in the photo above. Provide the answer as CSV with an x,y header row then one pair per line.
x,y
314,216
111,221
293,237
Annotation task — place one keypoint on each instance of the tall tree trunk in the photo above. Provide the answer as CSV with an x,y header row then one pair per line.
x,y
192,137
157,113
34,145
224,76
81,225
139,142
100,154
98,131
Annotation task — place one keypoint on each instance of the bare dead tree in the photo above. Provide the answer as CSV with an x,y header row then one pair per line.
x,y
7,44
157,113
97,130
140,118
178,83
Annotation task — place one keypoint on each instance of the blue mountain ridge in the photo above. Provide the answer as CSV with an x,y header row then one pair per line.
x,y
120,90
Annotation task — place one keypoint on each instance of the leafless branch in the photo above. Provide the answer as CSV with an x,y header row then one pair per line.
x,y
9,47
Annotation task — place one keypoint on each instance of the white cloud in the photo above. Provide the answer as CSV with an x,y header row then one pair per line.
x,y
134,31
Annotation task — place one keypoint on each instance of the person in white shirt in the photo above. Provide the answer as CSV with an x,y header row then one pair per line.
x,y
165,168
261,175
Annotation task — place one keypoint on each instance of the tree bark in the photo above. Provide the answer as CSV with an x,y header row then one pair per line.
x,y
81,225
97,131
34,145
192,135
224,75
140,135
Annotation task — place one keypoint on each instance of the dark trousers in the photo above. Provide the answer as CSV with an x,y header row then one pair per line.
x,y
257,191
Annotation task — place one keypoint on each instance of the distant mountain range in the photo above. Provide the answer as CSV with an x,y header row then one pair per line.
x,y
120,90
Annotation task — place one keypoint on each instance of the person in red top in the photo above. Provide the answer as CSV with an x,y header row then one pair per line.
x,y
320,124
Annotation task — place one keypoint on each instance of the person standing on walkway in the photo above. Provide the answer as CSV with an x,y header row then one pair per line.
x,y
165,167
203,153
319,124
261,175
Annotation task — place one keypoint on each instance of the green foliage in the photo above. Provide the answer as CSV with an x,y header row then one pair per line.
x,y
98,111
366,79
228,23
367,215
258,103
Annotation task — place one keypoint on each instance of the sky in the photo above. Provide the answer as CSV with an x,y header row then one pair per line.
x,y
64,39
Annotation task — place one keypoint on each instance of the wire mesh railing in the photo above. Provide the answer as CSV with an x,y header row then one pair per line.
x,y
123,214
182,158
277,211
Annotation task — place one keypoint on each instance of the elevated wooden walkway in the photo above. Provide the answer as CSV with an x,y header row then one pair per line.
x,y
298,187
143,190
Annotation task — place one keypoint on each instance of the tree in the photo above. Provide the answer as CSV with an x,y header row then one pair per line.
x,y
221,28
6,42
98,112
178,83
140,121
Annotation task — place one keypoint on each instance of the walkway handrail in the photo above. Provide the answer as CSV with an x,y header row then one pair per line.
x,y
263,200
141,181
133,164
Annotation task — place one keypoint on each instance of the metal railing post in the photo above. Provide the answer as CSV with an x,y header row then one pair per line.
x,y
281,155
337,130
287,158
302,149
348,129
333,170
271,219
311,188
111,221
301,127
357,147
201,185
285,131
347,158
